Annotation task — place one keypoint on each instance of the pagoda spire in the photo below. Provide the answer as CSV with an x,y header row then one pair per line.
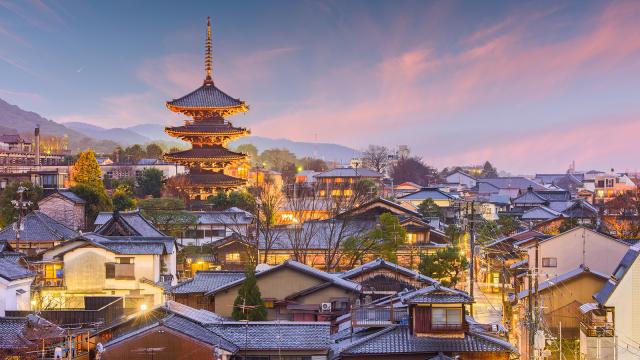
x,y
208,56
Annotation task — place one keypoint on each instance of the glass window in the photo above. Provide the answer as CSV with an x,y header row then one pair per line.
x,y
232,257
439,316
549,262
124,260
446,317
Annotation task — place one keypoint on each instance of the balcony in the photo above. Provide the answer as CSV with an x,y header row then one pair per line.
x,y
597,328
120,271
371,316
448,327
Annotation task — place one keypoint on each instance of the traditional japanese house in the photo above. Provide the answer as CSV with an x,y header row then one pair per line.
x,y
212,167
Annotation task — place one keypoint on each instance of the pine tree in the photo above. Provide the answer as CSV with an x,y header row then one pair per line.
x,y
86,170
248,304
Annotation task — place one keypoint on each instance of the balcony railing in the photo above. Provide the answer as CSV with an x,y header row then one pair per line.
x,y
447,327
378,315
597,329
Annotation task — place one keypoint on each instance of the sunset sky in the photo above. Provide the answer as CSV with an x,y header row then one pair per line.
x,y
530,86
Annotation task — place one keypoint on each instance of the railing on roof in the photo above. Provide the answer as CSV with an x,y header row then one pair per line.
x,y
597,328
378,315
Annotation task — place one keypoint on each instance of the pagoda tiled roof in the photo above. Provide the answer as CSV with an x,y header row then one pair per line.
x,y
205,153
205,128
215,179
206,97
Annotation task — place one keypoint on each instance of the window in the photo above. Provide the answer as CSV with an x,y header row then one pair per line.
x,y
549,262
335,192
268,304
446,318
124,260
232,257
411,238
122,269
348,192
53,271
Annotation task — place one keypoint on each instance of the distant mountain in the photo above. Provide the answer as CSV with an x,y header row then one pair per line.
x,y
14,119
328,152
121,136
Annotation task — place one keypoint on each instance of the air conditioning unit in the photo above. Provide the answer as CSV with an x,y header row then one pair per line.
x,y
325,307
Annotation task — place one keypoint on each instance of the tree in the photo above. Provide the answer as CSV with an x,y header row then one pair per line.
x,y
96,200
8,212
240,199
150,182
507,224
429,209
309,163
176,186
122,198
248,304
154,151
250,150
487,232
445,265
413,169
270,201
277,159
488,171
86,170
168,215
568,224
133,154
376,157
389,236
455,233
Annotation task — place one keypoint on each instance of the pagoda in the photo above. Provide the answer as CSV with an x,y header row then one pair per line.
x,y
209,161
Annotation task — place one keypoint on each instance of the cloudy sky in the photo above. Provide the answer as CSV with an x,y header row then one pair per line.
x,y
530,86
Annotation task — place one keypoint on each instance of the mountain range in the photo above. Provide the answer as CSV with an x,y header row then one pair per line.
x,y
83,135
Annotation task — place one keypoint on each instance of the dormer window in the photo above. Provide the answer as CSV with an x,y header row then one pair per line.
x,y
446,319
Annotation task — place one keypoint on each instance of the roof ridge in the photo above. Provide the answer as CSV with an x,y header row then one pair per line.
x,y
386,330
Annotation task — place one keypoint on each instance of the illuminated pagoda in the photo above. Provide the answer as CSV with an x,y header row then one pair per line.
x,y
209,161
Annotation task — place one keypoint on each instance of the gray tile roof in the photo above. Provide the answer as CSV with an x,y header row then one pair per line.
x,y
11,270
132,220
39,227
129,245
540,213
12,330
428,193
199,315
397,339
382,264
349,172
275,335
231,216
206,96
436,294
572,274
515,182
206,281
530,197
72,196
619,273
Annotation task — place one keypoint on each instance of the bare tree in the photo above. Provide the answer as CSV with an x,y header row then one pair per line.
x,y
306,213
376,157
269,202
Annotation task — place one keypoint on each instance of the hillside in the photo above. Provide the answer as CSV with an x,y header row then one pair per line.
x,y
14,119
122,136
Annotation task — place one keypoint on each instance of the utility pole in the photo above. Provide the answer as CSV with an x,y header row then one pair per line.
x,y
560,341
535,290
20,205
472,244
530,321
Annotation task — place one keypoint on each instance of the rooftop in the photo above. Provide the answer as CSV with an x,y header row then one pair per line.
x,y
38,227
206,281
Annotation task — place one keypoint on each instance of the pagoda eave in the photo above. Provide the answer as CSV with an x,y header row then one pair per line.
x,y
208,111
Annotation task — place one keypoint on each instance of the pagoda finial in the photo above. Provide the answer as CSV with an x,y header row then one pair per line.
x,y
208,56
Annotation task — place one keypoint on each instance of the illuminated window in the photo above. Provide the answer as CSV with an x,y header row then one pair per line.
x,y
232,257
348,192
323,193
53,271
412,238
335,192
338,180
268,304
286,217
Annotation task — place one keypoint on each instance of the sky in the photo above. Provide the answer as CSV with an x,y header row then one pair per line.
x,y
530,86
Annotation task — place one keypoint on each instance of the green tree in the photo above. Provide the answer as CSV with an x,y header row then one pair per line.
x,y
455,233
488,171
122,198
507,224
309,163
133,154
277,159
487,232
150,182
389,236
96,198
248,304
168,215
568,224
250,150
445,265
153,151
240,199
8,213
429,209
86,170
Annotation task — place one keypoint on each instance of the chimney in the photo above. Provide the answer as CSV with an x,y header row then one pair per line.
x,y
37,141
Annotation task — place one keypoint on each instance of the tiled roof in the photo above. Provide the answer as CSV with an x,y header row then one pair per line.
x,y
11,270
208,96
428,193
12,330
572,274
332,278
275,335
436,294
206,281
231,216
39,227
381,263
348,172
204,127
516,182
540,213
199,315
215,179
619,273
398,339
12,139
132,221
208,153
72,196
129,245
529,197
